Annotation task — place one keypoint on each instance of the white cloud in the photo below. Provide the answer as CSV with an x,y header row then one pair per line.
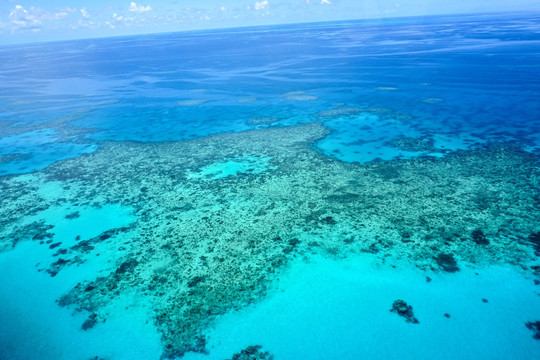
x,y
21,18
60,15
83,23
325,2
138,8
85,13
261,5
63,13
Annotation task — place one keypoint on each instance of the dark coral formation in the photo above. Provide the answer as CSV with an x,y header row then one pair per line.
x,y
200,247
56,266
534,240
479,237
74,255
73,215
37,231
127,266
404,310
90,322
253,352
534,326
447,262
423,144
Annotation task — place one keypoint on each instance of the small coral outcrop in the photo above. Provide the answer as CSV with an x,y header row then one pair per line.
x,y
404,310
447,262
535,328
253,352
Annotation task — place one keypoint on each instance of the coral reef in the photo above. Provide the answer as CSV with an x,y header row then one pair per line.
x,y
404,310
259,120
340,111
253,352
201,246
12,157
90,322
535,328
423,144
447,262
534,240
479,237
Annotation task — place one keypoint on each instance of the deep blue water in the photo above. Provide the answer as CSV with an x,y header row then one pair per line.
x,y
481,71
460,81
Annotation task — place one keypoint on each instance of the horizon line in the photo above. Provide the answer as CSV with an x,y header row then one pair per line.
x,y
232,28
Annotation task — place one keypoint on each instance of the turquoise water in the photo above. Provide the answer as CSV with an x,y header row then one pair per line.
x,y
193,195
339,309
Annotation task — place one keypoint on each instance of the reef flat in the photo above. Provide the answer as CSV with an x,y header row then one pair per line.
x,y
207,239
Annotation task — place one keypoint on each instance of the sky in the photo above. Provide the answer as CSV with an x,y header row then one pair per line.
x,y
23,21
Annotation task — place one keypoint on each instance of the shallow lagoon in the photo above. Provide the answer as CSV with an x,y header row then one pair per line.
x,y
340,309
149,208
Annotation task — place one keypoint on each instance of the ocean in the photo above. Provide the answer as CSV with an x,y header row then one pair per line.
x,y
336,190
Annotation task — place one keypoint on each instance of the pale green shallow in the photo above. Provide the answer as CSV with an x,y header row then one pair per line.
x,y
232,167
